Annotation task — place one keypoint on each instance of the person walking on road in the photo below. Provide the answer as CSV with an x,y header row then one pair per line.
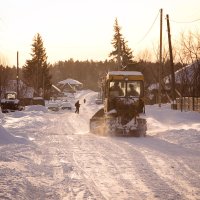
x,y
77,105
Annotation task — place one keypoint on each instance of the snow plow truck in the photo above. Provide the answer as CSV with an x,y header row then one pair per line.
x,y
123,113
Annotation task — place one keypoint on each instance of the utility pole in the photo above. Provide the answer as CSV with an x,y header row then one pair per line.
x,y
17,75
171,63
37,76
1,70
160,68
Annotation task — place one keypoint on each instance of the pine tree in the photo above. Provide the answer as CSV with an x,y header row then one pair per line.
x,y
127,54
122,54
36,70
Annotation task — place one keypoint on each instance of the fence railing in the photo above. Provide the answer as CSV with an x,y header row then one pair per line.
x,y
188,103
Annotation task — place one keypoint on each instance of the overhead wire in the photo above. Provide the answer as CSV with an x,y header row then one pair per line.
x,y
185,22
192,21
149,29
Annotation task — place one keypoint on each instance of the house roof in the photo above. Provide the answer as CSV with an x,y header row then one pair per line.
x,y
69,81
185,73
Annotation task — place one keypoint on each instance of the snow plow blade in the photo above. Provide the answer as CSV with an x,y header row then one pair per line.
x,y
138,131
97,123
107,126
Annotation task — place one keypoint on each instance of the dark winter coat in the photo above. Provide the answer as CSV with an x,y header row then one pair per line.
x,y
77,104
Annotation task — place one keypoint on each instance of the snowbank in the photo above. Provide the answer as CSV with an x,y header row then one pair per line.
x,y
7,138
174,126
164,118
1,114
36,108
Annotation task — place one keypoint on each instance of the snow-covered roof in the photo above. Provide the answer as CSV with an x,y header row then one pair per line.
x,y
70,81
185,73
125,73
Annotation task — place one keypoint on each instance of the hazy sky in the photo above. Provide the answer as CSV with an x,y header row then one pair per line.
x,y
83,29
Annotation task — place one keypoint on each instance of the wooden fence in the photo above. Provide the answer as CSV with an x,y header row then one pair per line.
x,y
188,103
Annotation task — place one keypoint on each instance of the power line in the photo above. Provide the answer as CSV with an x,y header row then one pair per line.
x,y
149,29
185,22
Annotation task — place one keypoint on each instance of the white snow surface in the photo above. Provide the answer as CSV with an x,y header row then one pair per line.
x,y
52,155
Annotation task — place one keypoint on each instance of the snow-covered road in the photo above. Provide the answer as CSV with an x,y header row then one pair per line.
x,y
64,161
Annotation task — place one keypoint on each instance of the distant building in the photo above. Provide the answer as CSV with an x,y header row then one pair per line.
x,y
187,80
12,85
24,90
69,85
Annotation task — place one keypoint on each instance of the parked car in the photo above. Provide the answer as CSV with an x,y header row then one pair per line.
x,y
53,106
66,106
98,101
38,101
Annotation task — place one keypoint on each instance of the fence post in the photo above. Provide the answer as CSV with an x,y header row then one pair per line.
x,y
181,104
193,103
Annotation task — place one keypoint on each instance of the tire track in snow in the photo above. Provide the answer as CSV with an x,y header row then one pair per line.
x,y
122,180
176,173
55,147
109,177
137,168
74,184
90,181
126,166
165,167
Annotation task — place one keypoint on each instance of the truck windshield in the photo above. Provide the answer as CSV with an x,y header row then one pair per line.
x,y
134,88
117,88
125,88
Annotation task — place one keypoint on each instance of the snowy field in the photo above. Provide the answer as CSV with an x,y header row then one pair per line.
x,y
52,155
